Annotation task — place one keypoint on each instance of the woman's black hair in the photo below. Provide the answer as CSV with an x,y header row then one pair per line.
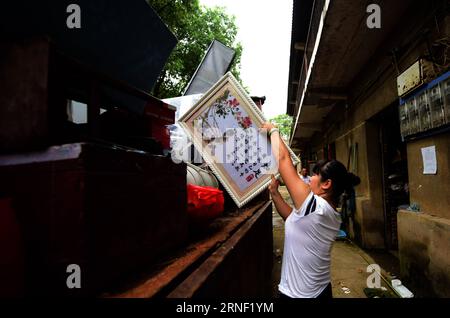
x,y
342,180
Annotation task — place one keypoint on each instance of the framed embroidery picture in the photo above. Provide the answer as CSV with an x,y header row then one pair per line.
x,y
224,127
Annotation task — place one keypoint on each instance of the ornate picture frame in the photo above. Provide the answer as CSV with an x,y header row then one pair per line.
x,y
224,127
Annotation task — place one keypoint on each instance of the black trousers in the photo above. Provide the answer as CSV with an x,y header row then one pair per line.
x,y
327,293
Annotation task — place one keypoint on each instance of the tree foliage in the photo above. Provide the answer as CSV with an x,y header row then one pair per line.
x,y
195,27
284,123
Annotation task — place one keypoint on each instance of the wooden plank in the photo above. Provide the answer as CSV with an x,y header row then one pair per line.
x,y
155,284
24,96
188,287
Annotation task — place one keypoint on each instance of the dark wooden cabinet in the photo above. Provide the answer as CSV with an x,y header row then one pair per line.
x,y
108,209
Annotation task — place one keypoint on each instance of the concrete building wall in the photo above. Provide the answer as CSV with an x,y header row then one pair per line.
x,y
355,124
343,143
373,209
424,243
431,192
423,237
356,127
367,225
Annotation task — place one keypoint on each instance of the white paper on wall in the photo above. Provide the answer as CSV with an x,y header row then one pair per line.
x,y
429,160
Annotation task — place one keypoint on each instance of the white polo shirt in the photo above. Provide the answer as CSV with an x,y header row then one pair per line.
x,y
309,234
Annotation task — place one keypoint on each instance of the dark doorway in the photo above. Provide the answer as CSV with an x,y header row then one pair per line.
x,y
394,171
329,151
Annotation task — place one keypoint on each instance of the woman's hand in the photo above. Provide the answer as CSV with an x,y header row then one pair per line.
x,y
273,187
268,126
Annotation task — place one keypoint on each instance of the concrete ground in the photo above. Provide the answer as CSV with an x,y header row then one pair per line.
x,y
348,262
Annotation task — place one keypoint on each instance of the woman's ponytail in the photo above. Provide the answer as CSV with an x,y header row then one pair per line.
x,y
342,181
352,180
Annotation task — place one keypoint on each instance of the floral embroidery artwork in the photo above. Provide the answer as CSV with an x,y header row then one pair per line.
x,y
225,107
242,159
227,125
224,125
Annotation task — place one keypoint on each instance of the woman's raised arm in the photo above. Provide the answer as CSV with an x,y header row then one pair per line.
x,y
298,190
